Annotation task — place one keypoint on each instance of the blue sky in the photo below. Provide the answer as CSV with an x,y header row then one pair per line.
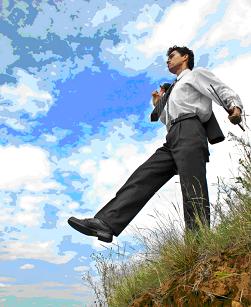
x,y
76,79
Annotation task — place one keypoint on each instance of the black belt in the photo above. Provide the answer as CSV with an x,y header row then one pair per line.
x,y
183,117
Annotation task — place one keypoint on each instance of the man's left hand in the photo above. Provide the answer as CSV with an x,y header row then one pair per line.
x,y
235,115
156,98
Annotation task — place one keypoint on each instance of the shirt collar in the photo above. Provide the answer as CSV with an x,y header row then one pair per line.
x,y
183,73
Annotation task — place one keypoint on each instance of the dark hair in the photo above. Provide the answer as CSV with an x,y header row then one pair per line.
x,y
182,51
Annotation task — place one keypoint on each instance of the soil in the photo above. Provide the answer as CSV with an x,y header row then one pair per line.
x,y
222,280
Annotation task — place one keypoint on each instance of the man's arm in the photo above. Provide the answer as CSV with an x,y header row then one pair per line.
x,y
203,79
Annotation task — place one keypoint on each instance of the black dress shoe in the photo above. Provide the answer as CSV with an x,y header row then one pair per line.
x,y
92,227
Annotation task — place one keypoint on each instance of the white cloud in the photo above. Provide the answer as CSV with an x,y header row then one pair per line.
x,y
106,14
25,91
6,279
224,52
147,38
23,98
233,73
81,259
4,285
42,186
89,166
81,269
146,20
50,138
26,167
73,205
86,149
179,25
51,289
30,203
135,31
40,250
109,171
27,266
234,25
28,211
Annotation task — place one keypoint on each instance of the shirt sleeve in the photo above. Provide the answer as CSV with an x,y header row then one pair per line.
x,y
202,80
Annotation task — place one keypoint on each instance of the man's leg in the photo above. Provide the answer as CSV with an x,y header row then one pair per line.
x,y
138,189
195,193
191,155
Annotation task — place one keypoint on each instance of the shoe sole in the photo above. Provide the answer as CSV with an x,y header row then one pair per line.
x,y
101,235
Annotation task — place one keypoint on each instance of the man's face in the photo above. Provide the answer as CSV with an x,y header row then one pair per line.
x,y
175,61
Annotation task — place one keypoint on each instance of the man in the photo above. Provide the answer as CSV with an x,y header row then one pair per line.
x,y
187,109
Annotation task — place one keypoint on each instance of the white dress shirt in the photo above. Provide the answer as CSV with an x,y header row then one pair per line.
x,y
190,95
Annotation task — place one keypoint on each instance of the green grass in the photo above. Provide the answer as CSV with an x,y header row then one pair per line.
x,y
168,252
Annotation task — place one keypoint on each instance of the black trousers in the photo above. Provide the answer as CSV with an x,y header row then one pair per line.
x,y
185,152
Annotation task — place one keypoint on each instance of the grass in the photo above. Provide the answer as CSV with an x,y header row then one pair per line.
x,y
169,252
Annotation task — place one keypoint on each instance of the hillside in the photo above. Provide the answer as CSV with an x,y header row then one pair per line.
x,y
221,280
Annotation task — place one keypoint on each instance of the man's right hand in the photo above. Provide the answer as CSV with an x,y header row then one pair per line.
x,y
156,97
235,115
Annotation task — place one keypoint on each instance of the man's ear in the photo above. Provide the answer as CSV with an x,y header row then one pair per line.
x,y
186,57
